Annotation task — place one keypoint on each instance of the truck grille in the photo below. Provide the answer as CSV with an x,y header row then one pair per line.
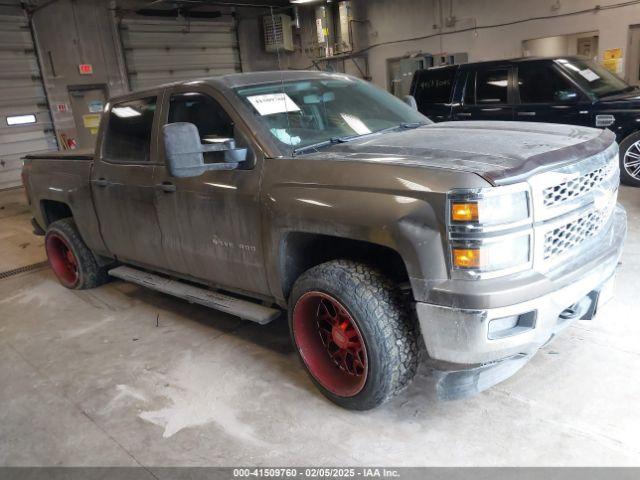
x,y
567,237
572,205
564,191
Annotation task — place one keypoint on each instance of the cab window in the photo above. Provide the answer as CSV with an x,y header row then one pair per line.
x,y
128,135
208,116
492,86
541,84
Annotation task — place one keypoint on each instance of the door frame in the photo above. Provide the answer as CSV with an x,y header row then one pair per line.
x,y
627,63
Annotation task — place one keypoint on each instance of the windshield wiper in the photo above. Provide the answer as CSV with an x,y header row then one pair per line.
x,y
345,139
325,143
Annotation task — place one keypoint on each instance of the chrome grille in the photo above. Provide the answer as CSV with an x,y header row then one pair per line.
x,y
572,204
564,191
567,237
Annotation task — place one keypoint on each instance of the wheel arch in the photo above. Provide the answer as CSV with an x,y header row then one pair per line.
x,y
53,210
300,251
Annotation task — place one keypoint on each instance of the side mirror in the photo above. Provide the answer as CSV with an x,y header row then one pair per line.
x,y
565,96
185,153
411,101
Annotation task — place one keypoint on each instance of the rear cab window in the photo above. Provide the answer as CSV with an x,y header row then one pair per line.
x,y
128,134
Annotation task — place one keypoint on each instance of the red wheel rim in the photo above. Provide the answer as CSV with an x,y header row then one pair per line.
x,y
330,343
62,260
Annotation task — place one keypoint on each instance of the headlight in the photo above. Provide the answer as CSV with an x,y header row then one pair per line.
x,y
490,231
501,254
489,208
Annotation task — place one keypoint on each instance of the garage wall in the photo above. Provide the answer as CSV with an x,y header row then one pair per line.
x,y
21,93
163,50
398,20
68,33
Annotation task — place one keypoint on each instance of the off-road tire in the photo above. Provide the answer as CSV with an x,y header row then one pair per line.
x,y
88,273
385,321
625,145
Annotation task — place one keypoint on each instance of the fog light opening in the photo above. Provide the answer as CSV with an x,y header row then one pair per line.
x,y
511,325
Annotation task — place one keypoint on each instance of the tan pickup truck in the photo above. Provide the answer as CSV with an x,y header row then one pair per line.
x,y
387,238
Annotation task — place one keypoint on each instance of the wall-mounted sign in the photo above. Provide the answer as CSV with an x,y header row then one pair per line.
x,y
612,53
611,59
62,107
85,69
95,106
92,122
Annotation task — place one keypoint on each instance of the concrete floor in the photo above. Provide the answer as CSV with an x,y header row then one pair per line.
x,y
87,378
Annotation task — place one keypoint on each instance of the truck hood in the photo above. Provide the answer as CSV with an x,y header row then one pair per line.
x,y
500,152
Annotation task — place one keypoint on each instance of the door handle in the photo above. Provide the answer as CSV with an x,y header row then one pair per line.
x,y
495,109
463,114
166,187
526,114
102,182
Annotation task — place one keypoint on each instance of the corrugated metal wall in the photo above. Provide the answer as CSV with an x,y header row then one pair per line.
x,y
167,50
21,93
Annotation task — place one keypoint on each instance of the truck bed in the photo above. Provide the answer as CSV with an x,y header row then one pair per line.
x,y
83,154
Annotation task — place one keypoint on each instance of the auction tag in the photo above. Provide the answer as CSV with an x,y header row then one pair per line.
x,y
271,103
590,75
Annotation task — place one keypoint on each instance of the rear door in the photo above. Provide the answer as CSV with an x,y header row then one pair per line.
x,y
433,91
488,94
122,182
546,94
211,224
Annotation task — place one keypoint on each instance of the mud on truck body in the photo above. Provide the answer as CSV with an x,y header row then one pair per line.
x,y
387,238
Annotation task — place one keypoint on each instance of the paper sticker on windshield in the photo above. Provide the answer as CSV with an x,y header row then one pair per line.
x,y
355,123
590,75
271,103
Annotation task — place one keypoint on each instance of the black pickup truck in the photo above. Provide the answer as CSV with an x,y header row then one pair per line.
x,y
568,90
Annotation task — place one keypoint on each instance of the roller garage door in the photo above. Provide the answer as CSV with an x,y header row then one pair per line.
x,y
25,123
159,50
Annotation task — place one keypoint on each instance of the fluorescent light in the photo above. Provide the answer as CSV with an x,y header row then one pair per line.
x,y
125,112
21,119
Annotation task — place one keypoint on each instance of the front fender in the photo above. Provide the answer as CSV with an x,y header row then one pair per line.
x,y
401,208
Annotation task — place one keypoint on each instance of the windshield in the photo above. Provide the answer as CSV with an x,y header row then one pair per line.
x,y
593,78
308,113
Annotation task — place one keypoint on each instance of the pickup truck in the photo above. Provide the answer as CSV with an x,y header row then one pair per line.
x,y
389,239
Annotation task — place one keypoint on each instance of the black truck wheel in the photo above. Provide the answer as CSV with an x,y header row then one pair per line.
x,y
630,160
70,258
353,333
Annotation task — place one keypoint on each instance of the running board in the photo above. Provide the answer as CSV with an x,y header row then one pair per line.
x,y
242,308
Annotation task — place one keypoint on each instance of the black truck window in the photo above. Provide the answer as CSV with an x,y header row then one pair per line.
x,y
212,120
435,86
128,136
492,86
540,83
204,112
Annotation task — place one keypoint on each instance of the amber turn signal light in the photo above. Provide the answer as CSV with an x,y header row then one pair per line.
x,y
464,212
466,257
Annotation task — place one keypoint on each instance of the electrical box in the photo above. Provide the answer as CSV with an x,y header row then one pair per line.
x,y
344,40
278,34
324,29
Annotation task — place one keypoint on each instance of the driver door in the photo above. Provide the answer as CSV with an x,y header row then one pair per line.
x,y
546,95
211,223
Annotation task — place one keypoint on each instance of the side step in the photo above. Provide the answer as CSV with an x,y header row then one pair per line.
x,y
225,303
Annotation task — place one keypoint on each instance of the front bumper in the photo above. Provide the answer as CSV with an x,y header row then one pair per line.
x,y
461,336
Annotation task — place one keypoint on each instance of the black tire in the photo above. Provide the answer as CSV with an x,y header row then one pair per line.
x,y
382,320
70,259
630,144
